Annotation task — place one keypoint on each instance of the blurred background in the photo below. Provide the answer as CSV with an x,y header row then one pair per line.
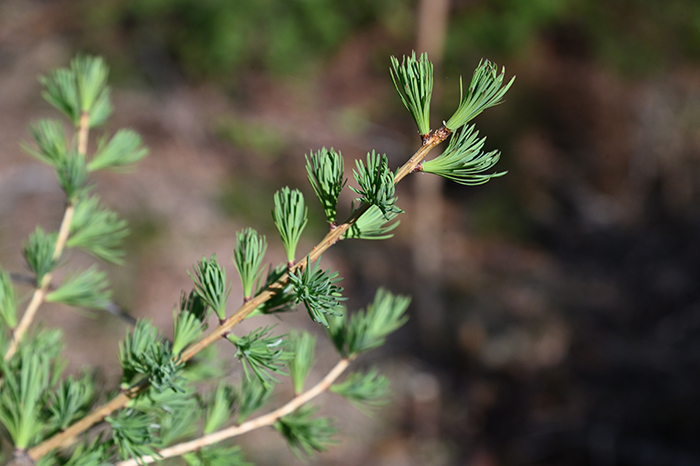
x,y
556,310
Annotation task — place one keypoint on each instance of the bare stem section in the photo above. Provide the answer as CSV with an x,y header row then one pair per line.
x,y
262,421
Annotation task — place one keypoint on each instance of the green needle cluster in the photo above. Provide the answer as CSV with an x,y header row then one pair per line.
x,y
290,219
413,80
376,184
248,256
325,170
318,291
485,90
464,161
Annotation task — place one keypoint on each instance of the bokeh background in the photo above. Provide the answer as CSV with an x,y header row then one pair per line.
x,y
556,311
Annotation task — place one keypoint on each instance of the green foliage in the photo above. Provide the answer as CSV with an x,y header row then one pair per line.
x,y
22,397
464,161
413,80
373,224
211,285
38,252
485,90
290,217
8,300
368,329
142,353
51,139
219,408
364,391
71,401
263,353
122,150
304,433
72,176
165,408
179,423
376,184
88,288
188,327
94,453
251,395
217,456
134,433
248,256
325,170
318,291
80,88
302,348
97,230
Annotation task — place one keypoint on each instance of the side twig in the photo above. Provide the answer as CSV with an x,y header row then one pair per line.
x,y
63,233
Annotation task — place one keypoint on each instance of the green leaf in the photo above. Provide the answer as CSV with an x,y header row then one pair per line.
x,y
376,184
72,176
136,343
163,371
178,424
485,90
368,329
123,149
71,401
211,285
94,453
318,291
88,288
60,90
263,353
305,434
290,218
188,327
248,256
251,396
219,408
134,433
463,161
372,225
82,88
97,230
302,347
38,252
325,170
413,80
364,391
8,300
91,75
49,136
216,456
22,396
194,304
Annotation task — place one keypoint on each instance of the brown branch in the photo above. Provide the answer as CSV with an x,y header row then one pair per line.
x,y
329,240
64,231
41,292
233,431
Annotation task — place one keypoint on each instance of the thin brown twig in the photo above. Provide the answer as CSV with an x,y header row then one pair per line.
x,y
233,431
40,293
329,240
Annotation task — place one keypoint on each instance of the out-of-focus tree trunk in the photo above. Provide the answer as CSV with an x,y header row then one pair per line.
x,y
428,206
